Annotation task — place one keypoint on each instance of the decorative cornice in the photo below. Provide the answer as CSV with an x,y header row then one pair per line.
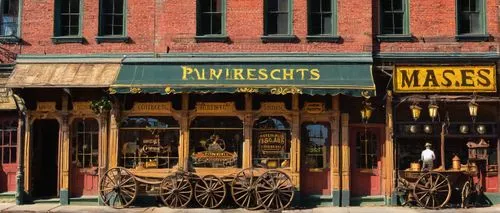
x,y
419,56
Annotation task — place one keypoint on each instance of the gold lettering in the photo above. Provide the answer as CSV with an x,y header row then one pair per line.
x,y
228,74
251,74
263,74
198,75
238,74
302,73
287,73
272,74
215,74
314,74
185,72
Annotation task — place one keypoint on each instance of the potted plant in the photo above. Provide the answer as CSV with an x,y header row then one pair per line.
x,y
101,105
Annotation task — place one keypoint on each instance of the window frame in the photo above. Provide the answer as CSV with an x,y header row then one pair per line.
x,y
5,126
405,36
483,36
331,37
289,36
222,37
13,39
75,143
58,38
101,37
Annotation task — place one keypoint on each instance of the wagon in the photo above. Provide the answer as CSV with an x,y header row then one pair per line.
x,y
434,190
249,188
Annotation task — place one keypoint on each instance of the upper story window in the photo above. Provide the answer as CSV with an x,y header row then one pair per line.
x,y
10,17
321,17
211,17
471,17
277,17
394,17
112,21
67,18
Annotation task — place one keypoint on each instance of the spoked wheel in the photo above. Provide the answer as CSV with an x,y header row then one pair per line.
x,y
274,190
243,189
466,192
176,191
432,190
210,191
118,188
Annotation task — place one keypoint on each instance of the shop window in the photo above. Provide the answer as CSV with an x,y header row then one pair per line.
x,y
216,142
8,147
470,17
322,17
211,17
112,21
366,148
277,17
271,142
394,17
85,146
67,18
149,142
316,142
10,17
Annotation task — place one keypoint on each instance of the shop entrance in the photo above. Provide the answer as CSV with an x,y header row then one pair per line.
x,y
44,161
84,157
365,146
315,171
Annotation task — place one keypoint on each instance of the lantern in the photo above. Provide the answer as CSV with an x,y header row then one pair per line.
x,y
415,111
473,107
433,108
366,111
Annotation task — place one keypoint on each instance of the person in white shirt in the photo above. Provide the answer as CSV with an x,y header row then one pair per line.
x,y
427,158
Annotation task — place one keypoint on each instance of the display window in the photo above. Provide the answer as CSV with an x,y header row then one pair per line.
x,y
85,143
149,142
316,140
271,142
216,142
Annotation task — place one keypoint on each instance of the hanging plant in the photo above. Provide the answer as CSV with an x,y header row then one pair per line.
x,y
101,105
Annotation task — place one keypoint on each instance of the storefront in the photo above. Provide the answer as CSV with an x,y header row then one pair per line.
x,y
454,109
205,115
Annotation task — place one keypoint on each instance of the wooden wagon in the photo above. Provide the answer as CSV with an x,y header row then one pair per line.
x,y
249,188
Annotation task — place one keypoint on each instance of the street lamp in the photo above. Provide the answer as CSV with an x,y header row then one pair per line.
x,y
415,111
366,111
433,108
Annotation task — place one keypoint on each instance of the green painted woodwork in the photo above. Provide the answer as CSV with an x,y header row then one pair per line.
x,y
117,37
406,20
222,37
57,38
15,39
334,33
64,197
472,37
278,37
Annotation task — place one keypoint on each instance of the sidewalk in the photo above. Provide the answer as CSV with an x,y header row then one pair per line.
x,y
9,207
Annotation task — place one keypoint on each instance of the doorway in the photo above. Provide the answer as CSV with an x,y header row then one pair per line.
x,y
44,163
315,168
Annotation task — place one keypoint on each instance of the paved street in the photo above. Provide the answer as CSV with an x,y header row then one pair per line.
x,y
6,207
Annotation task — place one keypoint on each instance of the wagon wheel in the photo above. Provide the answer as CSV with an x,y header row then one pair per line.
x,y
243,189
466,192
274,190
176,190
432,190
210,191
118,188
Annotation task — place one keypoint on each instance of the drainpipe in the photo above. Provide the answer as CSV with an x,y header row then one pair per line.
x,y
21,109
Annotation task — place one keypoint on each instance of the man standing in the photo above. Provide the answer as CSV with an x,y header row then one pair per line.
x,y
427,158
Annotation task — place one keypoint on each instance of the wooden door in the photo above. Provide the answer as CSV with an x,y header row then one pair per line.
x,y
315,168
8,155
84,151
365,146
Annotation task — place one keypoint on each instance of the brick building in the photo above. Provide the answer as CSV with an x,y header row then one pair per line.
x,y
165,61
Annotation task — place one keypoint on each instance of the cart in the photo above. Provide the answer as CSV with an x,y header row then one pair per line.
x,y
249,188
434,190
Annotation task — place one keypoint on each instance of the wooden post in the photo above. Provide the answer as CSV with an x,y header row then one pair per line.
x,y
113,136
442,146
346,161
295,143
184,143
247,132
103,143
334,151
27,148
65,153
388,162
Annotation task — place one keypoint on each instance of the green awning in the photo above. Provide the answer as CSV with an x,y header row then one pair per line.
x,y
275,78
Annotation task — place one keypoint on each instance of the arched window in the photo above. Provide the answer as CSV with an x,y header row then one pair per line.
x,y
149,142
271,142
85,143
216,141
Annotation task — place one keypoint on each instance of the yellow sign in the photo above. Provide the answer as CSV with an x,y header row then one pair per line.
x,y
272,107
83,106
423,79
149,107
271,142
46,106
314,107
215,107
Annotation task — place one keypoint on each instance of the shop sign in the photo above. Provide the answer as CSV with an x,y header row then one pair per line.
x,y
215,107
46,106
271,142
83,106
223,158
314,107
423,79
150,107
272,107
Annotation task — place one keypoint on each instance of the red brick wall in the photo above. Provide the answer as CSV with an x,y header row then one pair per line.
x,y
433,24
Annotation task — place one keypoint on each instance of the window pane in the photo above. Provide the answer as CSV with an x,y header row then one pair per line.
x,y
315,24
216,5
205,24
386,5
117,30
65,21
118,6
315,5
465,23
326,5
205,5
73,31
216,24
271,143
13,155
107,6
327,24
398,23
6,155
473,5
75,19
118,20
13,137
272,5
272,23
397,5
282,23
315,139
74,6
475,23
283,5
6,137
64,6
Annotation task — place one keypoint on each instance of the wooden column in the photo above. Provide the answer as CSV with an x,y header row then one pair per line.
x,y
27,157
184,139
335,150
65,153
103,143
113,136
247,132
346,161
295,143
388,163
